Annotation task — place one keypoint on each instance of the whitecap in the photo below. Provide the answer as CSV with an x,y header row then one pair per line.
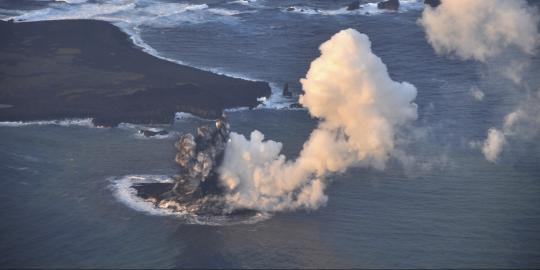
x,y
237,109
243,2
183,116
364,9
224,12
276,101
125,193
83,122
72,1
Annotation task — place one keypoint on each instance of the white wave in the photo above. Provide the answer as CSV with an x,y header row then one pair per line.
x,y
72,1
83,11
179,116
406,5
133,13
124,192
127,126
6,14
364,9
183,116
276,100
138,128
84,122
237,109
224,12
134,34
244,2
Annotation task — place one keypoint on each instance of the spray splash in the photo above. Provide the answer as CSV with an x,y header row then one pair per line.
x,y
360,109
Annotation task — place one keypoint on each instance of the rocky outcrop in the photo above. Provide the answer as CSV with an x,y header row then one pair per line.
x,y
295,105
432,3
152,133
286,92
389,5
354,5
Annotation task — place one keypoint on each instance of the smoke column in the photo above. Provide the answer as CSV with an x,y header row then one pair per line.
x,y
360,108
483,30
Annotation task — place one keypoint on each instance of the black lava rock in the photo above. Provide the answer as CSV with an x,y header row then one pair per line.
x,y
150,133
354,5
286,92
389,5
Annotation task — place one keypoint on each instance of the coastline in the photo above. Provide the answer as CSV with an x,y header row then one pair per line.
x,y
91,69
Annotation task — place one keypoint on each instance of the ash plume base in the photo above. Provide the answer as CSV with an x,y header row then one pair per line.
x,y
125,190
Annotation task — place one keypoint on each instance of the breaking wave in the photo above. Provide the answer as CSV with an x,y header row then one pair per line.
x,y
364,9
124,192
183,116
72,1
276,101
134,12
83,122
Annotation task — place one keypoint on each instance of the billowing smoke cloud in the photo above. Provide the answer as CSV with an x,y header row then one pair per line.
x,y
360,109
483,30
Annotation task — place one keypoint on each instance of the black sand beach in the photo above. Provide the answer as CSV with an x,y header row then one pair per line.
x,y
85,68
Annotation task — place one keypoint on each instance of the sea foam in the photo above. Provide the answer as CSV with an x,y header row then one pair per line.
x,y
83,122
364,9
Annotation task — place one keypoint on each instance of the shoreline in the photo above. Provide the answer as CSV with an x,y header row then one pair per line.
x,y
92,69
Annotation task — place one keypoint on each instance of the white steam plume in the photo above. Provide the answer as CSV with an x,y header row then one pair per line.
x,y
493,144
524,123
348,88
481,29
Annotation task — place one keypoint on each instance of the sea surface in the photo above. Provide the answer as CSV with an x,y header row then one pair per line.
x,y
62,204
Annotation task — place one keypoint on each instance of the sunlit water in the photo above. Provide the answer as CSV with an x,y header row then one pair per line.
x,y
451,208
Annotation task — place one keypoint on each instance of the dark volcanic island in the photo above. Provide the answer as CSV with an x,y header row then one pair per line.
x,y
90,69
195,189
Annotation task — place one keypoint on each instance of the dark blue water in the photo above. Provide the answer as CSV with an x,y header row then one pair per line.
x,y
450,209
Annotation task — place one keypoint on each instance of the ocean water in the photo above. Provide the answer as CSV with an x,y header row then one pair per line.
x,y
61,205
